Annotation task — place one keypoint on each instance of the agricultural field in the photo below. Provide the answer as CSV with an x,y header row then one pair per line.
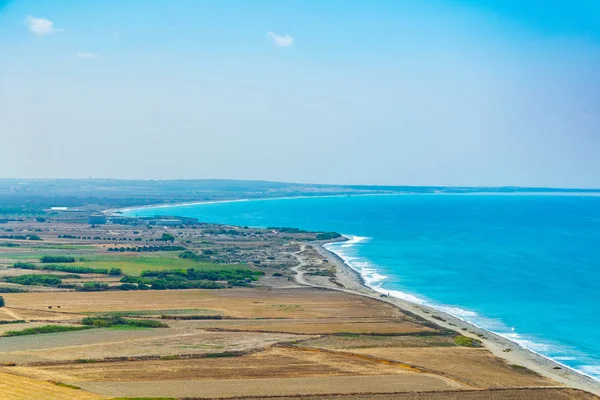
x,y
237,324
504,394
14,387
238,302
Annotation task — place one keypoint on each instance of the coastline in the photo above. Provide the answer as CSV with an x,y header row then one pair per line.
x,y
502,347
482,193
512,352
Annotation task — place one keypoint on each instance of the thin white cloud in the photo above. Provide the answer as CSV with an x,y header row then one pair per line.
x,y
281,41
88,56
41,26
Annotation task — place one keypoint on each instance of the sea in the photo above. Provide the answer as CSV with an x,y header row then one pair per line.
x,y
526,267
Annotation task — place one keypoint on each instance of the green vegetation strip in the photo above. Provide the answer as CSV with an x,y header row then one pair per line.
x,y
45,329
115,320
465,341
57,259
66,385
69,268
35,280
16,321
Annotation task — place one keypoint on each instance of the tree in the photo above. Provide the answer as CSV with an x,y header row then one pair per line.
x,y
40,219
1,301
167,237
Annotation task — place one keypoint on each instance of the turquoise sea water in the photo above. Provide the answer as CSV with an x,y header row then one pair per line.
x,y
526,267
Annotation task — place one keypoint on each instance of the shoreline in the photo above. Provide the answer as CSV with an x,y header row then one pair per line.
x,y
495,343
500,346
200,202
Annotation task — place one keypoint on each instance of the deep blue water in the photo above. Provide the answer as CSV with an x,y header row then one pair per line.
x,y
527,267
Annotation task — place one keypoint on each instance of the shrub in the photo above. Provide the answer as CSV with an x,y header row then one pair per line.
x,y
14,321
23,265
36,280
66,385
116,320
75,269
128,286
158,284
34,237
57,259
188,255
11,290
115,272
328,235
45,329
1,301
466,341
167,237
93,287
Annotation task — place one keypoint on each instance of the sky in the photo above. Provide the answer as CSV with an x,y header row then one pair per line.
x,y
391,92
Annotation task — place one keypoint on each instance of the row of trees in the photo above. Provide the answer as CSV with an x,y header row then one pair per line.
x,y
57,259
21,237
69,268
140,249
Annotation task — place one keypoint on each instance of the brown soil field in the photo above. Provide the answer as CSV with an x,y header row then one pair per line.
x,y
319,326
212,389
17,327
371,341
243,303
476,367
275,363
107,343
11,313
13,387
272,363
492,394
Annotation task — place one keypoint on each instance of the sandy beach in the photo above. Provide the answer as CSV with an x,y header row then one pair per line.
x,y
503,348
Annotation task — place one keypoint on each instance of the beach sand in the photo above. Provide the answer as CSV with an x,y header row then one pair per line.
x,y
350,281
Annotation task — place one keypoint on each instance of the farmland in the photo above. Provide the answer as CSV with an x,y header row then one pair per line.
x,y
255,332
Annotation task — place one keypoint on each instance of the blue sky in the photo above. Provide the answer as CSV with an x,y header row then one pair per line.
x,y
454,92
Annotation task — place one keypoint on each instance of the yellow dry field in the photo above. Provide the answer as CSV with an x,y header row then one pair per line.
x,y
242,303
13,387
318,326
272,363
296,388
97,344
503,394
348,342
475,367
11,314
277,371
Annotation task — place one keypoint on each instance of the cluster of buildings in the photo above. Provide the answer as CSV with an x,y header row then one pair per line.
x,y
158,220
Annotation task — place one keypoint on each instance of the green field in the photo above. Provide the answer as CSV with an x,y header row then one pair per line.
x,y
130,263
135,263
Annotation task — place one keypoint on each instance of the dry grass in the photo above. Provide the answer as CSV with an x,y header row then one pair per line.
x,y
272,363
370,341
10,313
476,367
501,394
99,344
319,326
13,387
243,303
270,387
